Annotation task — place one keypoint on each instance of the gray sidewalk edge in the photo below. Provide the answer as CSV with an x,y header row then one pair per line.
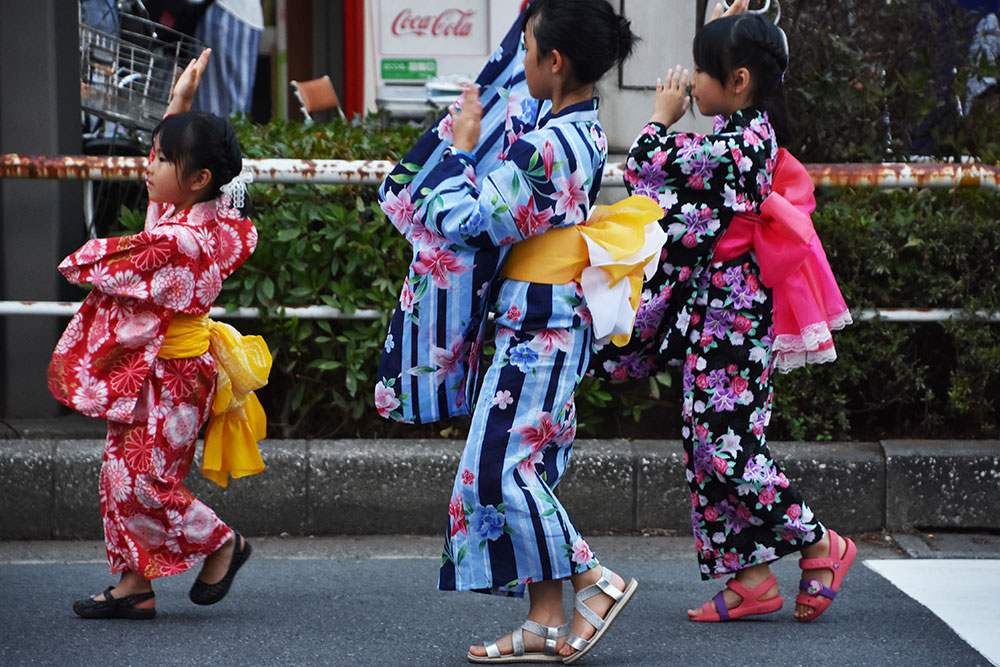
x,y
48,488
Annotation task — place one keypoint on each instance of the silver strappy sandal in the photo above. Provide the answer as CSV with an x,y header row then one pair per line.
x,y
551,635
601,625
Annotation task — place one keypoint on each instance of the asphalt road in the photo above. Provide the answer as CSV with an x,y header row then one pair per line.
x,y
371,601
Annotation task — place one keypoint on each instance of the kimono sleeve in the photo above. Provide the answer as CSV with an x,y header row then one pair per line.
x,y
697,180
148,266
534,189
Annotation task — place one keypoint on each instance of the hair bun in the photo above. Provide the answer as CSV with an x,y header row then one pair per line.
x,y
626,38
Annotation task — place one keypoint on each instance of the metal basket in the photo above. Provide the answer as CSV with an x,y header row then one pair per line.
x,y
128,78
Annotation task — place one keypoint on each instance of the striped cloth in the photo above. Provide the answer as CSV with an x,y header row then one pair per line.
x,y
227,85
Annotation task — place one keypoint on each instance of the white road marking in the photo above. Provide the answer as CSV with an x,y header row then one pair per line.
x,y
965,594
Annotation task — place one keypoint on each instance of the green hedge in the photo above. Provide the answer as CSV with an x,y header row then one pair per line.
x,y
913,249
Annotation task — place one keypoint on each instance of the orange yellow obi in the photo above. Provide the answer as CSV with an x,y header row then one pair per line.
x,y
238,421
610,255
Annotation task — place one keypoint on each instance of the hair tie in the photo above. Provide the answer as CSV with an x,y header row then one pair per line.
x,y
235,191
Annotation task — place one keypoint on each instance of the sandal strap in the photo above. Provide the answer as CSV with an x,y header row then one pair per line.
x,y
816,587
579,643
751,594
602,585
550,633
492,651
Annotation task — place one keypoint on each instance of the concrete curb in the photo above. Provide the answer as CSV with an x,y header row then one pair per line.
x,y
323,487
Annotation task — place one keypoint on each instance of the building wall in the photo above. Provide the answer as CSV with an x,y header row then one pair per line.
x,y
40,221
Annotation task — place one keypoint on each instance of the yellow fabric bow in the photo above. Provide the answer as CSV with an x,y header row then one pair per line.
x,y
238,421
617,242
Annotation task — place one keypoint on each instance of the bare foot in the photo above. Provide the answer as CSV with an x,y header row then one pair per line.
x,y
532,643
820,549
600,604
751,577
217,564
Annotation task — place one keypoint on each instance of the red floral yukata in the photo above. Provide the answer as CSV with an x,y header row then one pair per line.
x,y
106,365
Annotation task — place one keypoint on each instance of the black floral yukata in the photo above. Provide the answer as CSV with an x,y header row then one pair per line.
x,y
715,318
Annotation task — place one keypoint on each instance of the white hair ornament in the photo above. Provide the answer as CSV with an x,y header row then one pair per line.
x,y
236,190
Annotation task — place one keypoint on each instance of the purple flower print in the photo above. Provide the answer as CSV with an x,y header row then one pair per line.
x,y
700,167
718,378
487,523
718,323
688,146
651,175
650,190
741,297
723,400
696,222
734,275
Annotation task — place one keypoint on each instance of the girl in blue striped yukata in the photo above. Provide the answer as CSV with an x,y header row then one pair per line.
x,y
743,289
494,201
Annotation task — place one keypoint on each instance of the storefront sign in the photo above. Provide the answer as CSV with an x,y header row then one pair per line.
x,y
409,69
434,27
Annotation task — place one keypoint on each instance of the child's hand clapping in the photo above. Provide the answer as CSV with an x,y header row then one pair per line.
x,y
672,99
187,84
466,122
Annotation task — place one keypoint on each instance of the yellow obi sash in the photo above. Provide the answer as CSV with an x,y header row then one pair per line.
x,y
238,421
617,242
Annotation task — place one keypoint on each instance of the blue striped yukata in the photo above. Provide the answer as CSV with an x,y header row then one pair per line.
x,y
227,85
532,171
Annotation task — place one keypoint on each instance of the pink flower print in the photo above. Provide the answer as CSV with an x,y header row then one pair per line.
x,y
648,131
456,510
739,385
117,479
399,208
406,297
706,341
751,138
127,283
548,159
718,279
581,552
385,399
208,286
619,373
173,287
530,221
513,314
147,531
794,512
684,274
502,399
689,240
439,264
470,175
199,523
691,361
424,235
538,437
767,496
547,341
741,324
230,246
731,560
701,381
631,176
527,465
468,477
571,196
128,374
91,397
447,360
751,281
180,428
660,158
711,514
444,128
583,312
720,464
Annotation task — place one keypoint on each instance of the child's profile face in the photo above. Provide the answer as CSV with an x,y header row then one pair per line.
x,y
164,180
539,86
709,94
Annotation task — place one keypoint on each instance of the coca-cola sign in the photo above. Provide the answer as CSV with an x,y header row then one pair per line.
x,y
433,27
449,23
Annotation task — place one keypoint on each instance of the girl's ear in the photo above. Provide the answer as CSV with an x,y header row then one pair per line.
x,y
200,179
559,62
740,80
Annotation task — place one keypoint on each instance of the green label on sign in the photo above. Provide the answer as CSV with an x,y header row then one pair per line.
x,y
409,70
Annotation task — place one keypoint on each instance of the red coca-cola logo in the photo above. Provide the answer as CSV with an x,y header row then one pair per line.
x,y
449,23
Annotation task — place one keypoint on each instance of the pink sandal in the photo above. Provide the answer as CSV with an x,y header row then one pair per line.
x,y
750,604
810,588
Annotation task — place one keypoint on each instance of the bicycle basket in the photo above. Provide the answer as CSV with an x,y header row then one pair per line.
x,y
128,78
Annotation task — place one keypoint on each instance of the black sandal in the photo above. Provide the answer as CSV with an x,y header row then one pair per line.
x,y
111,607
202,593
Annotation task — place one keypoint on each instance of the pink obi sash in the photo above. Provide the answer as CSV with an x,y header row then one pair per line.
x,y
807,303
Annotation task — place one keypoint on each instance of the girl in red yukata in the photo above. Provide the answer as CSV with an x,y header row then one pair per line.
x,y
139,353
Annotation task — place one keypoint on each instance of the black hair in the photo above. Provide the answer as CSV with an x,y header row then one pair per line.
x,y
193,140
751,41
587,32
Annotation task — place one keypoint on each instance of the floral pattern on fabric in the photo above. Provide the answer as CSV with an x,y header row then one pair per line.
x,y
106,365
177,264
715,320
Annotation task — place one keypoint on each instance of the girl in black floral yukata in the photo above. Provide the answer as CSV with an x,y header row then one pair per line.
x,y
743,289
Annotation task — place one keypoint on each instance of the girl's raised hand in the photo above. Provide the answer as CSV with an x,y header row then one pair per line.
x,y
187,83
672,99
738,7
466,121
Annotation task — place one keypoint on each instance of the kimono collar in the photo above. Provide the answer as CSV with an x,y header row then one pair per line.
x,y
585,111
196,214
738,120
